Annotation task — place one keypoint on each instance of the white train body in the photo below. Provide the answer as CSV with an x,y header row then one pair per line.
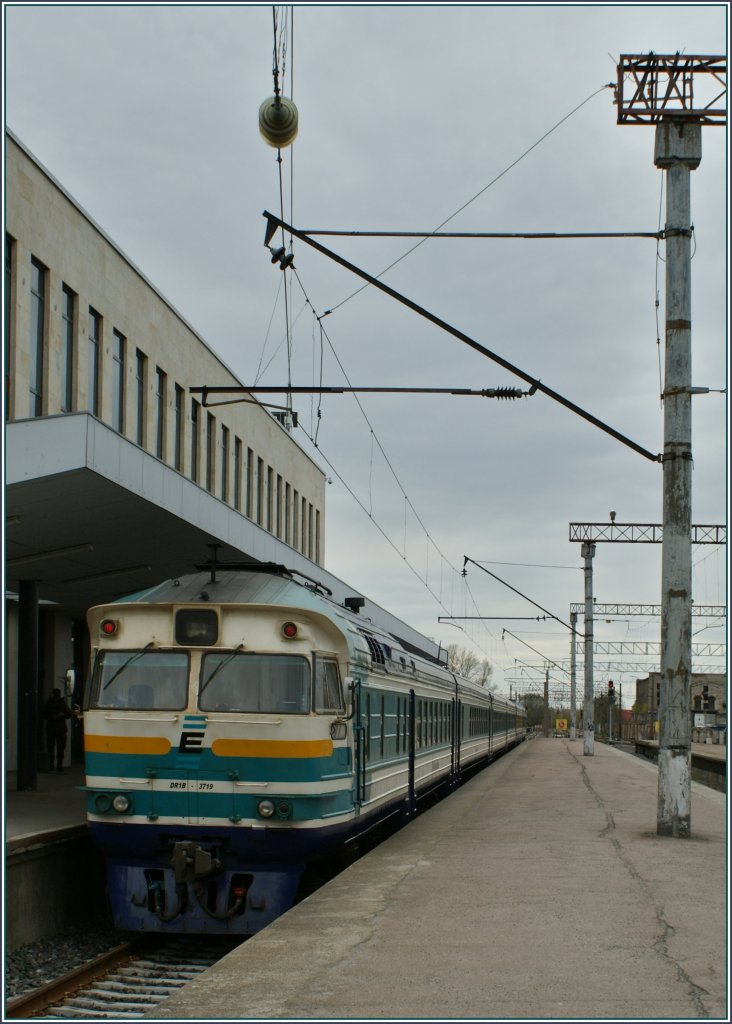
x,y
241,726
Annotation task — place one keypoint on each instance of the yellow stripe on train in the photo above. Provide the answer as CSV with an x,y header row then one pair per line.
x,y
272,748
126,744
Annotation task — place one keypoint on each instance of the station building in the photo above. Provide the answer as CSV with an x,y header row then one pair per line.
x,y
117,476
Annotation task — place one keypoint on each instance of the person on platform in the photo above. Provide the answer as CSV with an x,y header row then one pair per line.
x,y
55,714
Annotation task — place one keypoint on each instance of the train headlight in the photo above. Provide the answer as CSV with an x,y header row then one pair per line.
x,y
265,808
108,627
197,627
289,630
102,803
121,803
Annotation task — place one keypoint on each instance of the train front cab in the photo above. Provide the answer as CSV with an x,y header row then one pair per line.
x,y
217,765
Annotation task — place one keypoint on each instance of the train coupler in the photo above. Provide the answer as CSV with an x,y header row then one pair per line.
x,y
190,862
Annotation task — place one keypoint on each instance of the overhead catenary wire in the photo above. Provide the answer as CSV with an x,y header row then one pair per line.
x,y
533,235
466,559
478,194
422,579
273,223
374,439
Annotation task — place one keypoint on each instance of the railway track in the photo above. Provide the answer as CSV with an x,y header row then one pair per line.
x,y
124,983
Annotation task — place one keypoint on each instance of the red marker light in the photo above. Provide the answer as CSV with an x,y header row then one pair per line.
x,y
289,630
108,627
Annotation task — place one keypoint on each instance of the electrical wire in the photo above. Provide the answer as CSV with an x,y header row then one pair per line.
x,y
476,196
374,439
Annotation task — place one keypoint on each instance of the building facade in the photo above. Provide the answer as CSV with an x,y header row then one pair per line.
x,y
116,475
85,331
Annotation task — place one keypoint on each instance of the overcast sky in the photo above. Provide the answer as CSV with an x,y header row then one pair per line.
x,y
147,115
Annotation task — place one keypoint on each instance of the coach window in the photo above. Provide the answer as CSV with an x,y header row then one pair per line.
x,y
328,691
140,680
254,683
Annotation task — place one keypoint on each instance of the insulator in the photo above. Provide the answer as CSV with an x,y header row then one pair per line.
x,y
278,121
277,254
504,393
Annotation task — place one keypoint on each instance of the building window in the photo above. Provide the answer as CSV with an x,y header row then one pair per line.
x,y
270,497
317,536
210,450
260,491
161,387
178,445
310,531
68,315
118,381
295,517
195,428
250,483
9,305
141,387
37,337
288,499
95,339
224,463
237,473
303,524
278,507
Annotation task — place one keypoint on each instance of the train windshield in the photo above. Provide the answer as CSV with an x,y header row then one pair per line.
x,y
261,683
140,680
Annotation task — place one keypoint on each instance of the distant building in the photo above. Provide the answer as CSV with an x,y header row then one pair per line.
x,y
708,706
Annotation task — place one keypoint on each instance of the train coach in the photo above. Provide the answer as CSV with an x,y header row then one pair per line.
x,y
239,726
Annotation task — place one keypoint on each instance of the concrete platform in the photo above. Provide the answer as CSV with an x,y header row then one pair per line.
x,y
540,890
55,804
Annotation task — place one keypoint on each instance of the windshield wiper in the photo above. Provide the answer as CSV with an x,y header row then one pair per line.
x,y
133,657
221,665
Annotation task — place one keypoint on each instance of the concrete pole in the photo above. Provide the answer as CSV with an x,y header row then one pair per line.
x,y
573,679
588,553
547,715
678,152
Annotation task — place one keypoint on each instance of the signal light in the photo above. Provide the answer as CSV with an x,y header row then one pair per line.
x,y
289,629
611,692
108,627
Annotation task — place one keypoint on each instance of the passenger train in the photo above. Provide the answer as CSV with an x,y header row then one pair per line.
x,y
239,725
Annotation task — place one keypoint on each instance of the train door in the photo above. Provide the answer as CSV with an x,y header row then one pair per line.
x,y
359,748
490,727
411,791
